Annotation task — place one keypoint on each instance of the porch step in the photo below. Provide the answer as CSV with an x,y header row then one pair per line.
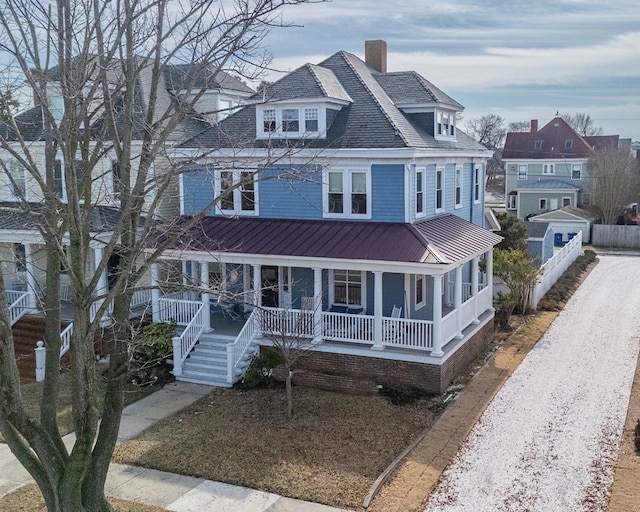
x,y
207,362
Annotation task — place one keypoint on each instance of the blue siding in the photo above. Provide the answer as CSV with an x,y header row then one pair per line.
x,y
198,191
299,197
387,193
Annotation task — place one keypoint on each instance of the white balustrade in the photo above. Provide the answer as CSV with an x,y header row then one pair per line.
x,y
141,298
242,343
449,327
18,304
286,322
347,327
407,333
184,343
179,311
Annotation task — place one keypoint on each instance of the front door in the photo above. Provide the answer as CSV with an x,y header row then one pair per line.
x,y
270,286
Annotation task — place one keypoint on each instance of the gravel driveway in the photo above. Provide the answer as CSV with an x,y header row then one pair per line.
x,y
549,440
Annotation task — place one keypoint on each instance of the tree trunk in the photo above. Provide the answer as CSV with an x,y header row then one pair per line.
x,y
289,393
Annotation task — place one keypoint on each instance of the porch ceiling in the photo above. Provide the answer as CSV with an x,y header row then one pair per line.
x,y
444,239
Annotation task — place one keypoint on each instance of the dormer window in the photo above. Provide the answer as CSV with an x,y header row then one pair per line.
x,y
290,121
269,119
310,119
537,145
445,124
568,143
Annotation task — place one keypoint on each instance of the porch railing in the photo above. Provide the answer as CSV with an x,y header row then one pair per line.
x,y
407,333
449,327
286,322
179,311
243,342
40,351
347,327
184,343
140,298
18,304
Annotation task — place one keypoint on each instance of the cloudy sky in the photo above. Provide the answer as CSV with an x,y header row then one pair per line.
x,y
522,59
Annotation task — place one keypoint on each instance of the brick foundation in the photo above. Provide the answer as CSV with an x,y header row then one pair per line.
x,y
361,374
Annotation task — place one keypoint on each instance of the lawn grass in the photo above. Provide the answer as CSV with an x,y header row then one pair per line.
x,y
29,499
32,397
331,452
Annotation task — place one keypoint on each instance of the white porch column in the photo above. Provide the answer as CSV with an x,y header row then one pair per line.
x,y
488,258
317,306
436,350
32,285
206,298
457,302
377,312
155,292
257,297
102,288
194,278
185,275
246,288
474,288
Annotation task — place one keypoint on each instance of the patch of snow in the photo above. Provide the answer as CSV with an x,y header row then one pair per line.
x,y
549,440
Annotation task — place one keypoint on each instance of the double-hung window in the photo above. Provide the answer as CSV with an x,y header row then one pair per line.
x,y
269,120
420,289
477,175
18,179
439,189
311,119
458,186
419,192
347,194
290,120
522,172
58,180
237,191
348,287
576,171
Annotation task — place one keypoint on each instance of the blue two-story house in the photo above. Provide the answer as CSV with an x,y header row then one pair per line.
x,y
344,208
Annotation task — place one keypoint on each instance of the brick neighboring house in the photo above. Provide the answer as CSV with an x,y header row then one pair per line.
x,y
546,168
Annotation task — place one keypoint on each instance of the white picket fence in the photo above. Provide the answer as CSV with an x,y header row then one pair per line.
x,y
554,267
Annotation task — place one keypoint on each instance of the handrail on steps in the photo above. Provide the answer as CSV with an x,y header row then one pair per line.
x,y
237,349
183,344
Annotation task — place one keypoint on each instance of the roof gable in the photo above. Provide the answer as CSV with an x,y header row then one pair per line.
x,y
556,139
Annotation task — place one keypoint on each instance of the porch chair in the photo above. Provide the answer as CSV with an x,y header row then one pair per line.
x,y
391,331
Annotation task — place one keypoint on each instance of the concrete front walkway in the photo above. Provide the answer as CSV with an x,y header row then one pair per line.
x,y
176,493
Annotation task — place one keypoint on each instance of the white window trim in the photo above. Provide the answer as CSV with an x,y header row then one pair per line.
x,y
301,133
363,289
458,184
11,196
548,169
526,171
581,172
237,194
546,202
346,191
442,189
477,184
419,305
566,198
423,181
63,194
515,202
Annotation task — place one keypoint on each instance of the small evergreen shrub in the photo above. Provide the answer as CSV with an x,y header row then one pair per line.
x,y
259,374
152,347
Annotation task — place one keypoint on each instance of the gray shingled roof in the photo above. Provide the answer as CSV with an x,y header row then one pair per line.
x,y
29,123
535,229
445,239
549,184
197,76
370,121
13,217
411,88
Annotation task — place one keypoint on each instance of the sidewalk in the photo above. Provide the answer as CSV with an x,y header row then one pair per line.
x,y
176,493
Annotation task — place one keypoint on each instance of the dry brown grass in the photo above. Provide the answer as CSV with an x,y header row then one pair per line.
x,y
331,452
29,499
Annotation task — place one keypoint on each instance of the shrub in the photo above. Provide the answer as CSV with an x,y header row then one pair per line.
x,y
259,374
152,348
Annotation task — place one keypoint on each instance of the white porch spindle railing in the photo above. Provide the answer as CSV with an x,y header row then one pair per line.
x,y
18,304
348,327
179,311
287,322
141,298
183,344
65,338
242,343
407,333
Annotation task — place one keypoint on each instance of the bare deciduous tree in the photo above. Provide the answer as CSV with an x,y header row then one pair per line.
x,y
489,131
96,69
613,181
583,124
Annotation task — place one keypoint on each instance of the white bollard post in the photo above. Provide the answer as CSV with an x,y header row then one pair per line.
x,y
40,359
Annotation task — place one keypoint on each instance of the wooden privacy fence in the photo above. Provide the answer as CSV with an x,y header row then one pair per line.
x,y
627,237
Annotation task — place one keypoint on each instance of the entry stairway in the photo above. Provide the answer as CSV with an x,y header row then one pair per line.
x,y
208,362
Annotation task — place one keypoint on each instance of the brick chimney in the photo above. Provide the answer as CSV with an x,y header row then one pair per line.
x,y
375,55
534,125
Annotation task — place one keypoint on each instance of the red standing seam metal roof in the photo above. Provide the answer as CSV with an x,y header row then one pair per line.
x,y
444,239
